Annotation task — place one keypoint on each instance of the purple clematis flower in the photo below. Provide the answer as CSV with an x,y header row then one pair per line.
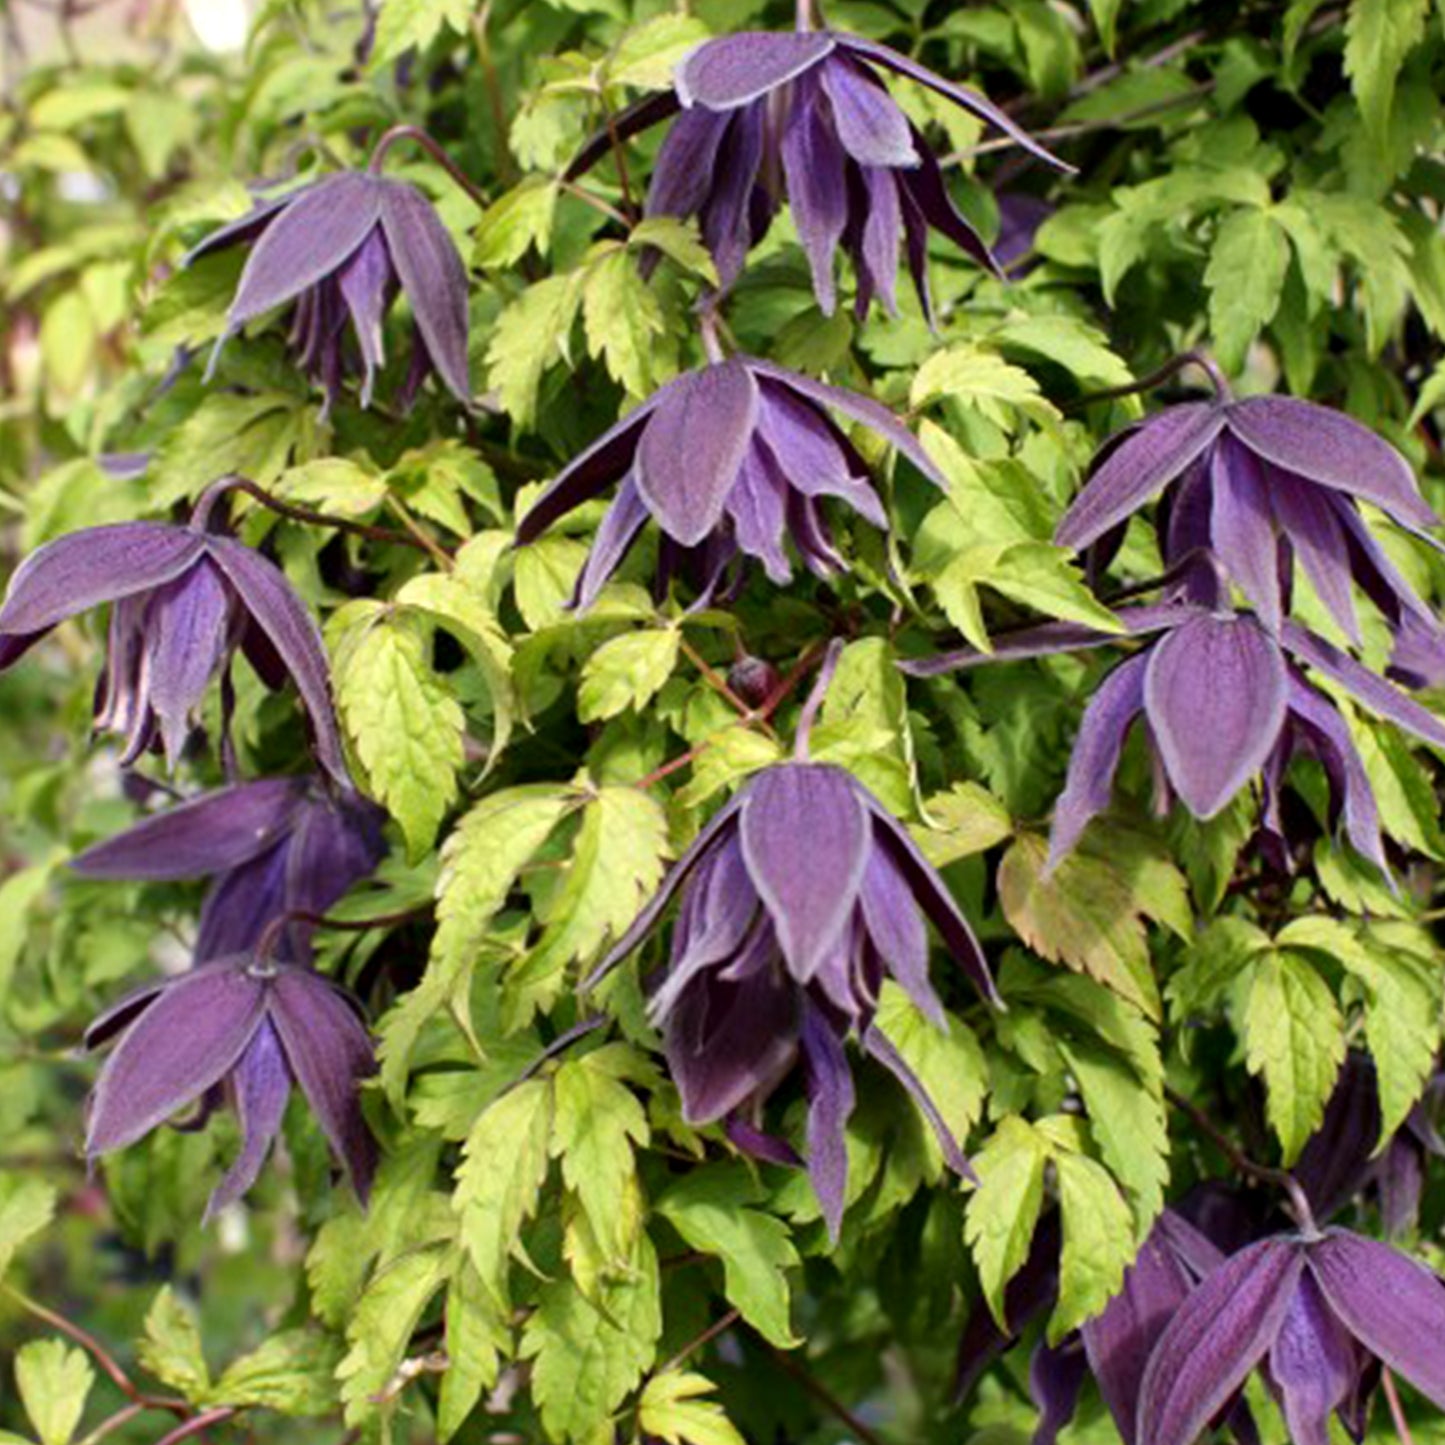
x,y
275,847
1224,701
798,899
807,115
339,250
1261,483
729,459
1319,1313
184,601
244,1029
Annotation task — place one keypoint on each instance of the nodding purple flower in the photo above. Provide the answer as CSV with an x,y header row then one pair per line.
x,y
734,458
184,600
1319,1313
1262,483
799,899
240,1030
807,117
276,847
1223,701
340,250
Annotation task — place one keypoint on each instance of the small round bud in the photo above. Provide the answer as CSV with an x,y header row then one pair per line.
x,y
753,680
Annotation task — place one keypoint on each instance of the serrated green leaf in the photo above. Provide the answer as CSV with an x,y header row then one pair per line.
x,y
1245,275
712,1208
403,24
477,1336
677,239
1004,1209
405,723
529,336
1295,1039
516,222
54,1381
625,323
626,671
293,1373
27,1206
982,379
1099,1241
647,54
171,1349
1379,35
672,1408
961,822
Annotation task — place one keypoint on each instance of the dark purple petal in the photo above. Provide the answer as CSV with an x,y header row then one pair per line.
x,y
624,519
692,447
1399,1176
99,564
365,283
830,1103
1214,693
187,640
767,1148
880,1047
1119,1340
1333,449
244,228
757,506
1346,771
1306,517
434,279
806,447
868,122
330,1053
814,167
262,1083
732,219
305,243
291,630
1393,1305
805,838
895,926
1117,701
882,235
1377,695
872,414
724,818
682,177
632,120
1139,469
1312,1364
1217,1336
932,897
335,842
239,906
218,830
1242,527
735,69
970,100
1056,1375
188,1039
1418,657
928,191
592,471
731,1041
122,1013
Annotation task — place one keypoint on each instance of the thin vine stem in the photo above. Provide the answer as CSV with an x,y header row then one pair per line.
x,y
1193,357
399,133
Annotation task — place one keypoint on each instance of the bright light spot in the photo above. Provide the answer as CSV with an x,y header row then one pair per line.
x,y
220,25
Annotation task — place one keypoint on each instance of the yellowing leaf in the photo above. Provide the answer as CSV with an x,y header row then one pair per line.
x,y
672,1408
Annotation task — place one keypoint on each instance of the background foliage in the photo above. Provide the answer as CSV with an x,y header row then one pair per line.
x,y
541,1260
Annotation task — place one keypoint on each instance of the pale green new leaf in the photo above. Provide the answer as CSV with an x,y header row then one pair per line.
x,y
625,323
292,1372
1099,1241
626,671
516,222
679,241
1379,35
1245,274
403,24
961,822
1004,1209
672,1408
477,1338
27,1205
1295,1039
54,1381
529,336
979,378
171,1348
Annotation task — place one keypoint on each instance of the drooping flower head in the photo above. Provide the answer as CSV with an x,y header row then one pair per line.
x,y
807,117
276,848
799,899
1262,483
240,1030
734,458
184,600
1224,701
1319,1314
339,251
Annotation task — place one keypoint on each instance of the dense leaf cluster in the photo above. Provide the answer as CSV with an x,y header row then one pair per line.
x,y
523,492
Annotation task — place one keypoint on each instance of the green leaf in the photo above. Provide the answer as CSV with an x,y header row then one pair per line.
x,y
967,819
626,671
54,1381
1245,275
516,222
588,1355
504,1165
950,1066
1004,1209
292,1372
679,241
672,1408
648,53
406,724
529,336
983,380
1085,914
252,436
596,1122
1106,17
171,1349
1295,1038
477,1337
1098,1241
625,323
27,1205
712,1209
1041,576
403,24
1379,34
